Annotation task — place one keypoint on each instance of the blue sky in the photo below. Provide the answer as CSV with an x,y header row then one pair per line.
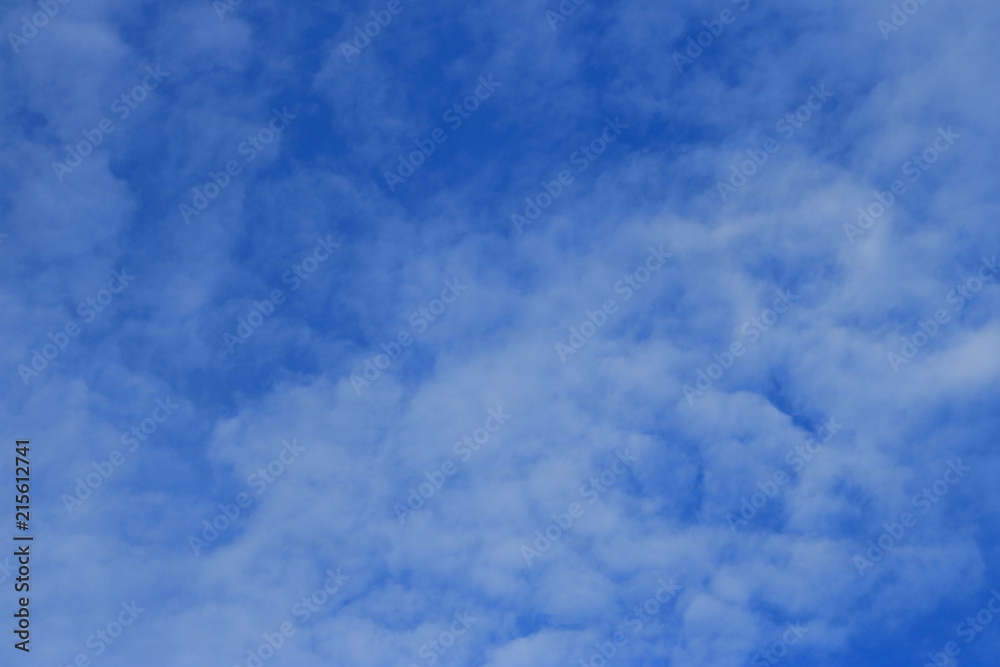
x,y
505,334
